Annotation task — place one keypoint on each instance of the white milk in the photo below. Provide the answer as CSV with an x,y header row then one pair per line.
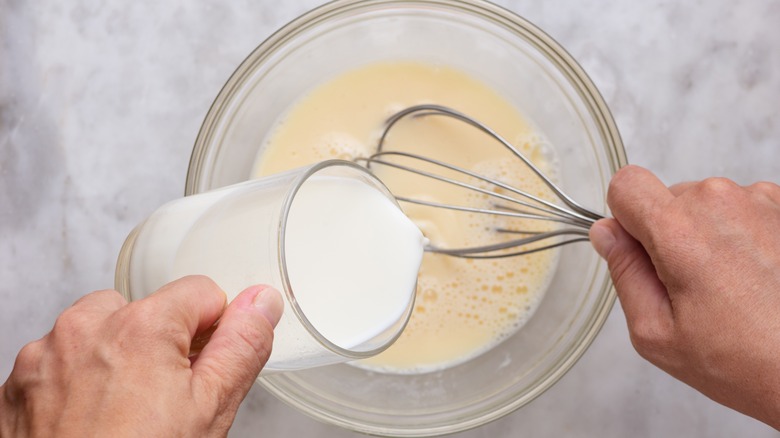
x,y
352,258
351,254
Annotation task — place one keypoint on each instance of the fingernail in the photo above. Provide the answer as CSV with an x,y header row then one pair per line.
x,y
269,302
602,238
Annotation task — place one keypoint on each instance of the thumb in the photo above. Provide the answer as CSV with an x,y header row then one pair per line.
x,y
642,295
240,345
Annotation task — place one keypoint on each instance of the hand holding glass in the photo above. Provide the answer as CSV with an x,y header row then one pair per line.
x,y
330,236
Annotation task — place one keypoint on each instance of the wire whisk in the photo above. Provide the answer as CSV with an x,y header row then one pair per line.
x,y
573,220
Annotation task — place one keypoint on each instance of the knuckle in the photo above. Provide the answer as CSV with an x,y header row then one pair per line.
x,y
133,321
714,194
144,322
138,316
72,322
190,291
649,338
620,179
199,281
718,187
28,371
766,188
618,267
253,337
627,171
188,282
29,356
624,267
112,296
107,299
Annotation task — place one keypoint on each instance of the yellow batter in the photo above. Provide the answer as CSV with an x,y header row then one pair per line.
x,y
463,307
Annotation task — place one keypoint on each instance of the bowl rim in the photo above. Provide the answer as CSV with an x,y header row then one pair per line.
x,y
546,46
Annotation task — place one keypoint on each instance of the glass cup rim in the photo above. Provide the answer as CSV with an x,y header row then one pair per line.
x,y
289,292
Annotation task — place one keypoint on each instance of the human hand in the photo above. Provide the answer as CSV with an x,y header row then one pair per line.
x,y
697,271
109,368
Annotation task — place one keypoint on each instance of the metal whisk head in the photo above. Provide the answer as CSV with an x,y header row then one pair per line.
x,y
573,219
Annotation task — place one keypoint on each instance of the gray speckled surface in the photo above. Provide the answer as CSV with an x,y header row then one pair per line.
x,y
100,105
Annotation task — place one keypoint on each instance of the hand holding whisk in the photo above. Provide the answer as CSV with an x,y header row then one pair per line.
x,y
573,220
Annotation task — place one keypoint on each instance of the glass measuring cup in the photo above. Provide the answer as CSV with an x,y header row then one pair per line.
x,y
239,235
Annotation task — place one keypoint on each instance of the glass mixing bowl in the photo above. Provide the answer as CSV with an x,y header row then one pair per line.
x,y
531,71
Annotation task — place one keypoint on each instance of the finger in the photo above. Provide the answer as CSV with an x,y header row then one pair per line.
x,y
240,346
194,302
26,371
636,197
768,189
680,188
643,297
102,300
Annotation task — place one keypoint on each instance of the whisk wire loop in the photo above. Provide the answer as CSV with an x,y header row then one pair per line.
x,y
434,110
574,218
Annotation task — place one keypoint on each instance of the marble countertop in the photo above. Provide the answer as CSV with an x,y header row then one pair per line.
x,y
100,104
